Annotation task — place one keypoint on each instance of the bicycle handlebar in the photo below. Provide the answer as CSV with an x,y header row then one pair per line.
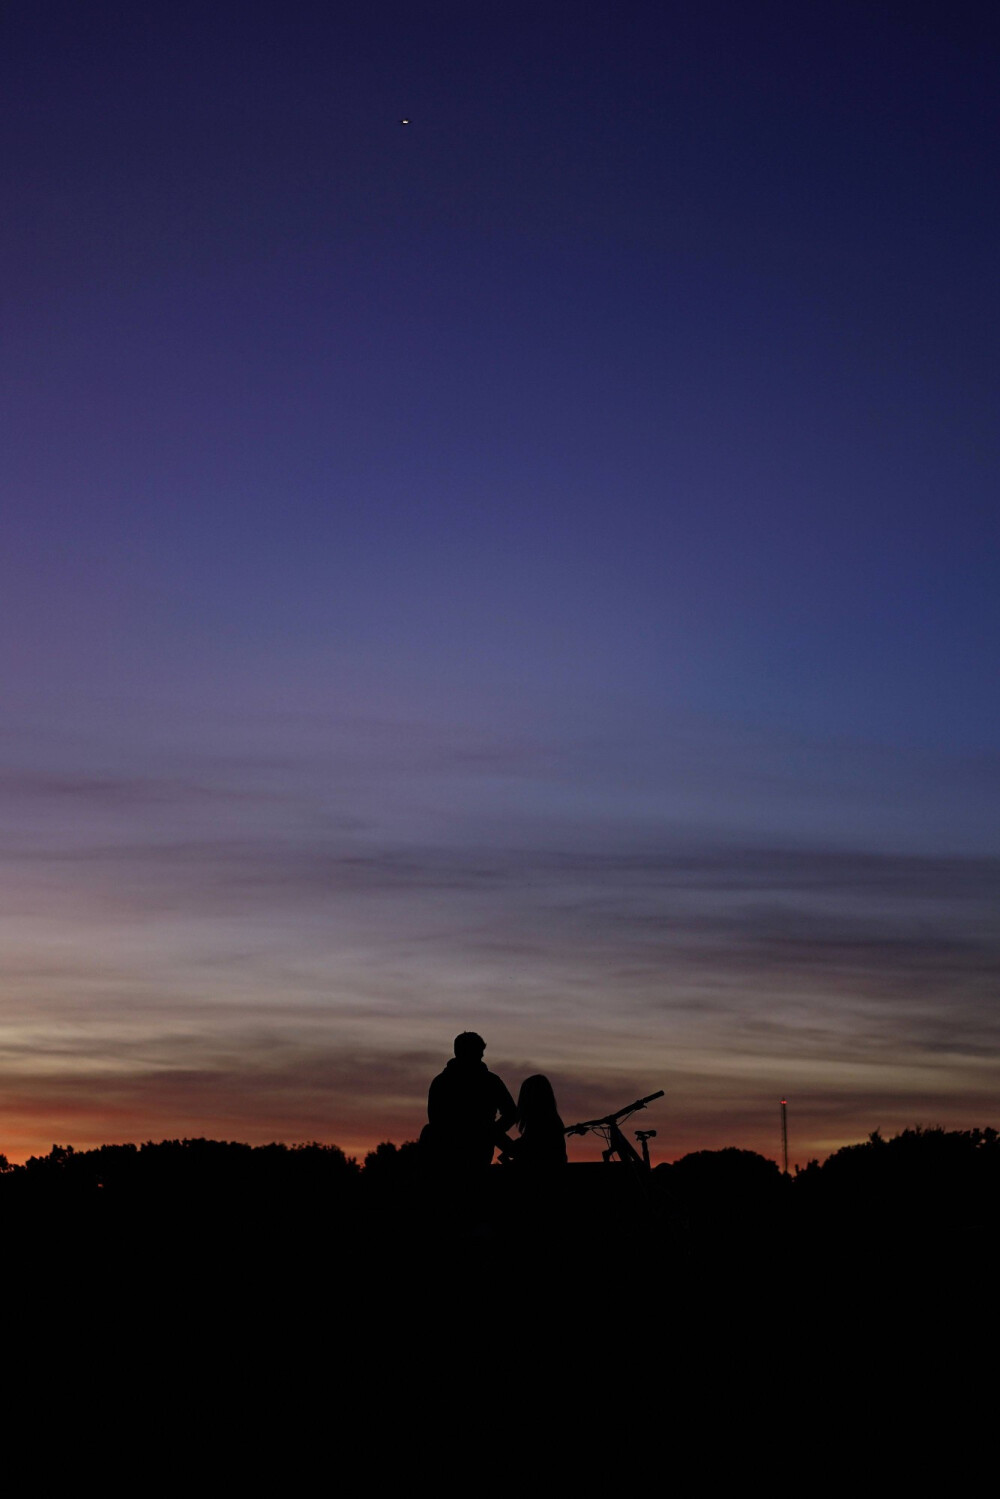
x,y
640,1103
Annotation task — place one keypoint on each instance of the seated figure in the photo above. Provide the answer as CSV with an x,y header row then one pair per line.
x,y
468,1110
541,1143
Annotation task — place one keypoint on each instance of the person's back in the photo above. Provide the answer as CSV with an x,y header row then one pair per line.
x,y
541,1145
468,1108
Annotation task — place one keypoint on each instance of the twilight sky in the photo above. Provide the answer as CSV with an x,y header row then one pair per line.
x,y
532,570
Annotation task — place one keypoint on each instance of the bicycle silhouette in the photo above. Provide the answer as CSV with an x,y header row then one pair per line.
x,y
609,1129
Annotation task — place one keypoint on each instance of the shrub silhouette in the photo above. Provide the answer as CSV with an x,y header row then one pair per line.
x,y
925,1188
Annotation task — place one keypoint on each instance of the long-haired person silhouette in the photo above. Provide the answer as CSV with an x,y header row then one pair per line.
x,y
541,1145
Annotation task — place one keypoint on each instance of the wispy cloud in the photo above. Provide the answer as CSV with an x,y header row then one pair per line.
x,y
244,930
270,1087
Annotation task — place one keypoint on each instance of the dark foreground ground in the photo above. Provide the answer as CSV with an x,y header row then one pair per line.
x,y
725,1322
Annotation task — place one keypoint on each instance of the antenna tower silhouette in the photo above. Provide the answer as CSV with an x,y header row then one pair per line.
x,y
784,1133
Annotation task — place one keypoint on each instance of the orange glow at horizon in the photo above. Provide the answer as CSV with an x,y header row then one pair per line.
x,y
34,1131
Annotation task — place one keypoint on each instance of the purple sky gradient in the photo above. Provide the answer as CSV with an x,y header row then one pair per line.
x,y
534,569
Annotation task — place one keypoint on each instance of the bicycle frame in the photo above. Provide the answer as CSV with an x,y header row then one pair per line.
x,y
609,1129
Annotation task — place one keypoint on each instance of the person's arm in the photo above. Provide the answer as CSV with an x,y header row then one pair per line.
x,y
506,1109
508,1148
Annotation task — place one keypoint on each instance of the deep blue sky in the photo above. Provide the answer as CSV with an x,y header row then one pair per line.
x,y
591,481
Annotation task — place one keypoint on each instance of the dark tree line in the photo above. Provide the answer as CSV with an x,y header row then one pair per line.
x,y
200,1168
298,1230
919,1170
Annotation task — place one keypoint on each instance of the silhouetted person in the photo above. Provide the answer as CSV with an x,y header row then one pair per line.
x,y
541,1146
469,1110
